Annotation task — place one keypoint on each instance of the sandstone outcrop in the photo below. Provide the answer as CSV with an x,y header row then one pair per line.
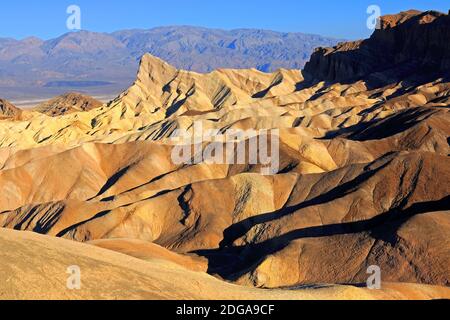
x,y
408,43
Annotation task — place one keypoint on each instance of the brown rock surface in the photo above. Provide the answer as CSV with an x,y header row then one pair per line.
x,y
410,42
8,110
68,103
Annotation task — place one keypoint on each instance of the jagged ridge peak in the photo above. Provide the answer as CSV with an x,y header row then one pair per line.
x,y
160,85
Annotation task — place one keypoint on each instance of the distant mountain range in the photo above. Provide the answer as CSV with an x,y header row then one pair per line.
x,y
91,60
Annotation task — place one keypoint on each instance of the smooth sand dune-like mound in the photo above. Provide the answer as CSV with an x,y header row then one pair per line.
x,y
108,275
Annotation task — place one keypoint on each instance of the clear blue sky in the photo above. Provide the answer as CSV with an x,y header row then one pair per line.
x,y
342,19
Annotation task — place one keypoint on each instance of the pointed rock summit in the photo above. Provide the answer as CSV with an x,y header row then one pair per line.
x,y
162,87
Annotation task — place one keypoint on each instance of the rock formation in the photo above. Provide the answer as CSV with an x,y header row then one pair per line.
x,y
409,43
68,103
8,110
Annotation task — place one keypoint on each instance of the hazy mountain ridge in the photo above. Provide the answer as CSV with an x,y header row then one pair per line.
x,y
114,57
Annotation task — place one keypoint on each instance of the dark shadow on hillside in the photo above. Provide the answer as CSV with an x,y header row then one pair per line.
x,y
232,262
179,103
111,181
277,81
46,221
75,226
239,229
383,128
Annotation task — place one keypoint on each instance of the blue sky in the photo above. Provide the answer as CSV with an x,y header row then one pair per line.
x,y
342,19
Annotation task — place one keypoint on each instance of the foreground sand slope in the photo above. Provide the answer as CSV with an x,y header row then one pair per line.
x,y
34,267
